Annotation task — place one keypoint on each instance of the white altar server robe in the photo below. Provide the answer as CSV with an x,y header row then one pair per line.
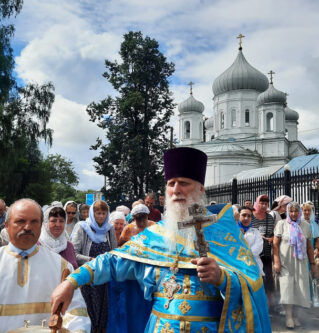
x,y
256,243
26,286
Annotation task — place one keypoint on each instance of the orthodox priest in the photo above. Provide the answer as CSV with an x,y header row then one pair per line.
x,y
222,292
29,273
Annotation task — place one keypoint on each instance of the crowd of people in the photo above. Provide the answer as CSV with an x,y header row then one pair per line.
x,y
284,240
79,233
143,243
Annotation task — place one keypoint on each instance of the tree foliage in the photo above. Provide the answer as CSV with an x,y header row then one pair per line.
x,y
10,7
24,113
136,122
61,170
312,151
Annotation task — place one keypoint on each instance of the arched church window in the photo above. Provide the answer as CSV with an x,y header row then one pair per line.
x,y
212,137
222,120
246,117
233,118
269,122
187,130
286,133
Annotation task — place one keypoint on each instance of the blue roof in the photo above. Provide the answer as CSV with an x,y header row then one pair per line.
x,y
301,163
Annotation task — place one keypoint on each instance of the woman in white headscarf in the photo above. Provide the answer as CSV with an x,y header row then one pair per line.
x,y
292,252
308,215
117,219
140,222
53,234
71,209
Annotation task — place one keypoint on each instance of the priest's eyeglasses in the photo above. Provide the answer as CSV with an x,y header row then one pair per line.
x,y
71,213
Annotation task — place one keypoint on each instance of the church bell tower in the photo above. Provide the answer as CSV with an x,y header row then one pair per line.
x,y
190,120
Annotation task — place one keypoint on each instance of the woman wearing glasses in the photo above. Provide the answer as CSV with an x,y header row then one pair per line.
x,y
71,213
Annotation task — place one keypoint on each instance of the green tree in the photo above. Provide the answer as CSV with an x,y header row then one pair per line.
x,y
24,113
62,192
312,151
62,178
61,170
136,122
7,82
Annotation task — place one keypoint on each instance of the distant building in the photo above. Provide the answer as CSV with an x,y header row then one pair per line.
x,y
251,127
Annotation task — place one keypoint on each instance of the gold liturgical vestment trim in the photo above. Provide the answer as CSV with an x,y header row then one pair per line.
x,y
24,308
22,275
183,318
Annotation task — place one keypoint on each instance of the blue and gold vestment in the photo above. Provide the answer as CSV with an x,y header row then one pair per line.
x,y
237,304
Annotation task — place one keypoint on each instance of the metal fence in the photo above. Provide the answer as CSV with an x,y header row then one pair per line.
x,y
301,185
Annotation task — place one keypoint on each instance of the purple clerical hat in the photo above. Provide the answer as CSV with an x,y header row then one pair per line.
x,y
185,162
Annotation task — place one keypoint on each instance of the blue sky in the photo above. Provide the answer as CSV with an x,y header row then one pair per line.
x,y
66,42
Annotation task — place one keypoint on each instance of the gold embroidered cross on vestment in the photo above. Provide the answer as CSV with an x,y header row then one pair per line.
x,y
171,287
167,328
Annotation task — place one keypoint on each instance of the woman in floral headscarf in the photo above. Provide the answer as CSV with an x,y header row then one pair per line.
x,y
292,249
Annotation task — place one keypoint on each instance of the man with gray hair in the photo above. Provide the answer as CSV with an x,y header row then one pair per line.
x,y
217,290
29,273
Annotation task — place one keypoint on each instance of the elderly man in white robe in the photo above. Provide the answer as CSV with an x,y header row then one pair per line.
x,y
29,273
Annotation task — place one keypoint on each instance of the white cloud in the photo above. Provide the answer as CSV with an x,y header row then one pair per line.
x,y
90,173
71,124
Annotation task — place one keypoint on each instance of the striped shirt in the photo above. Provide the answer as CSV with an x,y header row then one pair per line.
x,y
266,228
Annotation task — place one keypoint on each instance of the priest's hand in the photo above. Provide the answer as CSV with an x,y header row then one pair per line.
x,y
63,293
208,270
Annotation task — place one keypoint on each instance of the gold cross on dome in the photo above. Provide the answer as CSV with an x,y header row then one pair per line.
x,y
191,87
240,37
271,73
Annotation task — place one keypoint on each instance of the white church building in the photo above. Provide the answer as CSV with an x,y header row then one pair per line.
x,y
251,127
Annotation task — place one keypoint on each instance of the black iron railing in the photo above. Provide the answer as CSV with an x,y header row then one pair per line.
x,y
301,185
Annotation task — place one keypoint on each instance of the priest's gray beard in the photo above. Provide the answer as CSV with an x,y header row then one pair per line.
x,y
177,212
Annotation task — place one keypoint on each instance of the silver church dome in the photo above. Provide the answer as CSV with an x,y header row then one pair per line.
x,y
271,95
191,105
291,114
240,75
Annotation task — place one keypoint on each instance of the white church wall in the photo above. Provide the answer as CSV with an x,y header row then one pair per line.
x,y
271,120
236,103
291,127
209,134
195,120
222,169
296,148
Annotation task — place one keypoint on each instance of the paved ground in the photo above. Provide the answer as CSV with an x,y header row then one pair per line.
x,y
309,320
